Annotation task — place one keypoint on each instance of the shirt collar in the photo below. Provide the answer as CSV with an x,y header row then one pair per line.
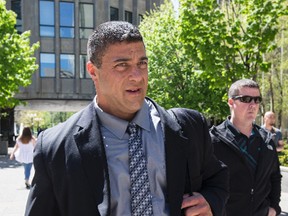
x,y
235,131
231,127
118,126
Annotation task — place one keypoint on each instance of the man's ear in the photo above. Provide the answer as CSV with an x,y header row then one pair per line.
x,y
91,68
230,102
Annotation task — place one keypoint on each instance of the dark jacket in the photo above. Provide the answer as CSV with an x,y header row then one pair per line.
x,y
71,170
250,195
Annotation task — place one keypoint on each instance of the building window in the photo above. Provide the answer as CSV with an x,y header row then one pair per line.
x,y
67,19
16,7
67,66
47,23
128,16
86,21
47,65
83,72
114,13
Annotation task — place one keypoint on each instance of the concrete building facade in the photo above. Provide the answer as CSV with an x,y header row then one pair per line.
x,y
62,28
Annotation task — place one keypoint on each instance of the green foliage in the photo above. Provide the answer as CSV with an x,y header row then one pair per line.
x,y
283,156
194,58
43,120
228,41
173,79
273,83
163,49
17,63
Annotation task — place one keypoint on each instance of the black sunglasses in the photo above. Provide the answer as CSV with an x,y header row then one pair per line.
x,y
248,99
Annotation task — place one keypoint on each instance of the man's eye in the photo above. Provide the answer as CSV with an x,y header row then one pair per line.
x,y
121,66
143,64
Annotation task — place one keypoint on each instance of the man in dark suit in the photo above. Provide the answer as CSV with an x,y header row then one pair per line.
x,y
83,166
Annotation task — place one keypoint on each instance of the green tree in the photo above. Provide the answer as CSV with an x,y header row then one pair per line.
x,y
167,65
194,58
17,63
228,40
274,88
173,79
40,119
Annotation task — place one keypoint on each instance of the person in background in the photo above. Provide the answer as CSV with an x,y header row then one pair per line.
x,y
124,154
250,154
269,125
23,152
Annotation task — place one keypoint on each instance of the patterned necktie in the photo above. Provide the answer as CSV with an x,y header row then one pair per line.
x,y
141,200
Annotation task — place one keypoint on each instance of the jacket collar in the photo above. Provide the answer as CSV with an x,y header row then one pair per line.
x,y
222,132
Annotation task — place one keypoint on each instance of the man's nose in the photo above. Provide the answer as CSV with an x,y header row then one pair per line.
x,y
135,72
253,103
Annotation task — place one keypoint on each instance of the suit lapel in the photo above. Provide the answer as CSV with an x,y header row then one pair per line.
x,y
176,160
91,149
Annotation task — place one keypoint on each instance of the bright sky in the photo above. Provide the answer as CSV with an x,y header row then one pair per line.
x,y
175,3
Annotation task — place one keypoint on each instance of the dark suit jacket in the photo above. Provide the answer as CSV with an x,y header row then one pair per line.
x,y
71,169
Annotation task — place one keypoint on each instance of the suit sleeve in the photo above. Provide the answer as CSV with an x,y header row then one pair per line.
x,y
215,186
41,200
213,173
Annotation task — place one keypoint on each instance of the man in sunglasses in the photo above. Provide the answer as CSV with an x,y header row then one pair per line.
x,y
250,154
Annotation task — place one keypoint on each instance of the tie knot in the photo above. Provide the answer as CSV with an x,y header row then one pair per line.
x,y
132,128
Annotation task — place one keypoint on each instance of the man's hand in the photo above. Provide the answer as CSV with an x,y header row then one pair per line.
x,y
271,212
280,146
196,205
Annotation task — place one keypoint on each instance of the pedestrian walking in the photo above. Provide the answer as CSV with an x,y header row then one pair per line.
x,y
23,152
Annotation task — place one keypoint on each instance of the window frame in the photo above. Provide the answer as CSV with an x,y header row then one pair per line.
x,y
41,65
83,73
127,16
47,26
16,7
83,33
116,9
60,66
61,17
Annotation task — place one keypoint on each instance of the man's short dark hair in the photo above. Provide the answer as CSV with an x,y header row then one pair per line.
x,y
110,33
236,86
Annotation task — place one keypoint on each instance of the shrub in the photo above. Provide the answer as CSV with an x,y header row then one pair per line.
x,y
283,155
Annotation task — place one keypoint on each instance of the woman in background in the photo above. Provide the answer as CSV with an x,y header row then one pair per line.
x,y
23,152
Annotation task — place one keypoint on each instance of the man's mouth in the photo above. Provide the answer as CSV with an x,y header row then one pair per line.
x,y
133,90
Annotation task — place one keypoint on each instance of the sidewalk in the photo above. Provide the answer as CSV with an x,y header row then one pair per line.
x,y
13,194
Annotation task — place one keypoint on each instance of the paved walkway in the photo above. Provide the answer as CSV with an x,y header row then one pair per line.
x,y
13,194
